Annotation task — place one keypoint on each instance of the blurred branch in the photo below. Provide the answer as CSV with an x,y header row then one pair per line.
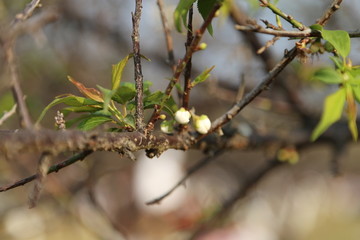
x,y
168,38
330,11
9,45
249,182
53,168
8,114
43,168
139,115
263,85
199,165
290,34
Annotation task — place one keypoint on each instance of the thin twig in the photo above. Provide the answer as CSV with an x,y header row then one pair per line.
x,y
290,34
286,17
263,85
25,119
279,33
188,68
43,168
54,168
249,182
199,165
8,114
267,45
331,10
9,45
168,38
182,63
139,115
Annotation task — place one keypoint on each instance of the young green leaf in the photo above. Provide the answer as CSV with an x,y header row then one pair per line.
x,y
81,109
92,122
316,27
327,75
124,94
338,62
91,93
157,98
70,100
351,111
117,71
130,120
339,39
333,108
107,93
202,77
180,13
205,7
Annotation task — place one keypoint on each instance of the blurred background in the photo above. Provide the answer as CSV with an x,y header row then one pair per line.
x,y
104,196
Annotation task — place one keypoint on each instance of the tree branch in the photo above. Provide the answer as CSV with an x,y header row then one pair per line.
x,y
168,38
188,67
263,85
53,168
331,10
139,115
182,63
9,45
199,165
55,142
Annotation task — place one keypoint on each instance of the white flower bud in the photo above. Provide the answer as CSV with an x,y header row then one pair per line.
x,y
167,127
202,124
182,116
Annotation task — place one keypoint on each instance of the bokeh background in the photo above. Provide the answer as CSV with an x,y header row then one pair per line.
x,y
103,197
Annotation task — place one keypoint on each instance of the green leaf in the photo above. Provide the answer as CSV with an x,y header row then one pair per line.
x,y
130,120
107,94
6,103
338,62
202,77
205,7
327,75
92,122
89,109
154,98
147,85
316,27
157,98
124,94
333,108
70,100
170,106
339,39
356,91
351,111
117,71
181,13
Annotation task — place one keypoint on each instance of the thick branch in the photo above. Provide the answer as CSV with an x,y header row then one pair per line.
x,y
55,142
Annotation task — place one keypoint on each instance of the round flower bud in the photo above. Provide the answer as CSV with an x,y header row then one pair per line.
x,y
182,116
202,124
202,46
167,127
